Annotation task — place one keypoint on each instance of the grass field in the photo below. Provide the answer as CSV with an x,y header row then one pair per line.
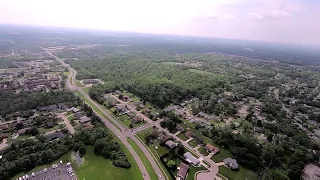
x,y
71,117
193,143
99,168
241,174
153,175
183,136
86,89
203,151
79,84
193,170
66,73
43,130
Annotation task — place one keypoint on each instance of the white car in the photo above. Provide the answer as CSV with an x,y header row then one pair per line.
x,y
61,162
68,164
33,174
71,174
27,176
45,170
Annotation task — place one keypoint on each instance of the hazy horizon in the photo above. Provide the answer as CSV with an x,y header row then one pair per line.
x,y
283,21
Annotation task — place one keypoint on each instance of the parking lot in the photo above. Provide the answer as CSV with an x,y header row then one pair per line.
x,y
58,173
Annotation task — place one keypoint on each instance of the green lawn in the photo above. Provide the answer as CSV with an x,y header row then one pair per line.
x,y
66,73
183,136
193,143
79,84
203,151
144,159
193,170
241,174
99,168
143,133
65,158
86,89
123,117
21,137
95,108
188,124
43,130
71,117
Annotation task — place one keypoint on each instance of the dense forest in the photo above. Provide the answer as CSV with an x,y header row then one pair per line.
x,y
11,102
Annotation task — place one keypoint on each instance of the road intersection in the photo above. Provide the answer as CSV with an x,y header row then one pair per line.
x,y
123,133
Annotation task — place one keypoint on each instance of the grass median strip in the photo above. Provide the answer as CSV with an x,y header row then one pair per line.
x,y
153,175
95,108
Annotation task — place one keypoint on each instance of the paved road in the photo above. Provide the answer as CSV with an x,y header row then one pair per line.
x,y
122,134
67,123
213,169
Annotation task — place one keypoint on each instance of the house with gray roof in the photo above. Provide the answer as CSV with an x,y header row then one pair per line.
x,y
171,144
191,159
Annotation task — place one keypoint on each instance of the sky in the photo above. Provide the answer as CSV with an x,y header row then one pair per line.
x,y
286,21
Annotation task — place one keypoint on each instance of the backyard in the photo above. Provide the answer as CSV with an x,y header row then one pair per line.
x,y
242,173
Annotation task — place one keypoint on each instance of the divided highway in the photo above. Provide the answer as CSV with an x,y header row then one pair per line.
x,y
121,134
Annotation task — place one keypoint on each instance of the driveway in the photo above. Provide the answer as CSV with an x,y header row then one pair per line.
x,y
67,123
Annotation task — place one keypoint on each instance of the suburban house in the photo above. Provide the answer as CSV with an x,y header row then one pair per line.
x,y
137,119
311,172
171,144
162,136
182,171
179,127
139,105
130,114
189,134
198,139
73,109
84,119
87,126
117,92
55,135
50,125
211,149
169,108
231,163
258,130
121,109
191,159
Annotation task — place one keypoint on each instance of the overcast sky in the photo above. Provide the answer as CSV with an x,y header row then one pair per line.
x,y
289,21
